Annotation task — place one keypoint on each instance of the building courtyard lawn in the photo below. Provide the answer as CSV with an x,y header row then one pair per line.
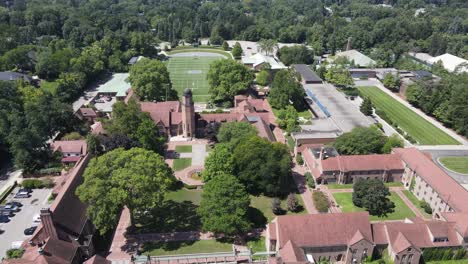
x,y
402,211
183,195
263,204
350,185
182,163
456,164
185,247
416,202
417,127
184,148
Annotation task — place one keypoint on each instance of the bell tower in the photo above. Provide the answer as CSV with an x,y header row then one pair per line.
x,y
188,114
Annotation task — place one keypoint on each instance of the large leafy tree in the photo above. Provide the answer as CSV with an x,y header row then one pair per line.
x,y
298,54
262,166
373,196
339,76
224,210
267,46
288,119
135,178
151,82
236,51
366,107
228,78
360,141
285,90
219,161
233,132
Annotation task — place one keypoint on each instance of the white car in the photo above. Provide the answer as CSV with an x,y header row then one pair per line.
x,y
37,218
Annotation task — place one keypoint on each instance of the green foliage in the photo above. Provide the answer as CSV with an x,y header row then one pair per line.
x,y
366,107
320,201
298,54
299,159
234,132
360,141
310,180
237,51
70,86
293,203
286,89
72,136
225,45
339,76
435,254
91,62
224,210
372,195
427,207
394,141
392,82
50,64
262,166
33,184
276,206
218,161
151,82
288,119
267,46
14,253
136,178
17,58
263,78
228,78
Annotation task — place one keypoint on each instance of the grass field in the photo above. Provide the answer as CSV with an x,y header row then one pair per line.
x,y
350,185
185,247
402,211
417,127
416,202
182,163
183,195
183,148
190,72
263,204
456,164
51,87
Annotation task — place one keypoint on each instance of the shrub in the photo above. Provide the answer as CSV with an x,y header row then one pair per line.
x,y
321,201
427,208
50,171
276,206
33,184
293,203
299,159
14,253
310,180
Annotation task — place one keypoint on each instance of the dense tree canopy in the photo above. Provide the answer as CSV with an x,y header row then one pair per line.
x,y
373,196
151,82
227,78
136,178
224,210
298,54
286,90
360,141
220,160
233,132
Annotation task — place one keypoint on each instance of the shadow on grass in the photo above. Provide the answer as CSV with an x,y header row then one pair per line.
x,y
170,217
257,217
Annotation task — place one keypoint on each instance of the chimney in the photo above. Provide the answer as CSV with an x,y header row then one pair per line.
x,y
48,223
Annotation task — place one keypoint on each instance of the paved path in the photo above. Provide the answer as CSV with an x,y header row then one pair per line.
x,y
12,177
375,82
199,154
306,194
410,204
392,189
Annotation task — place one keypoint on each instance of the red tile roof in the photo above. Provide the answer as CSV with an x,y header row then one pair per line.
x,y
363,163
88,112
96,259
291,253
222,117
447,188
323,229
70,146
460,220
379,234
159,112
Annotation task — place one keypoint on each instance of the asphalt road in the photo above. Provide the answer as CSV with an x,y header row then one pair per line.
x,y
438,153
14,230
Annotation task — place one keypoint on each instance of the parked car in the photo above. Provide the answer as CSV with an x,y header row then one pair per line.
x,y
37,218
30,230
28,190
11,207
6,213
4,219
15,203
22,195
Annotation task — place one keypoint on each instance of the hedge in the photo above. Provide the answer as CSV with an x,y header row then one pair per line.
x,y
37,184
321,201
310,180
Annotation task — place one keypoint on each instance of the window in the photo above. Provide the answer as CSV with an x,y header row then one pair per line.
x,y
410,258
403,259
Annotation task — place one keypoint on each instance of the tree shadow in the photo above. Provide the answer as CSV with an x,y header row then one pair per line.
x,y
256,217
170,217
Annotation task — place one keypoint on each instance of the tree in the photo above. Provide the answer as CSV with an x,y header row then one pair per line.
x,y
224,210
225,45
151,82
267,46
393,141
51,64
94,146
392,82
320,201
70,86
293,203
276,206
288,119
91,62
366,107
298,54
360,141
262,166
233,132
286,90
135,178
227,78
116,140
220,160
237,51
372,195
263,78
339,76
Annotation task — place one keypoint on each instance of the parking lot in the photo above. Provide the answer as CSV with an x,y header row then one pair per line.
x,y
14,229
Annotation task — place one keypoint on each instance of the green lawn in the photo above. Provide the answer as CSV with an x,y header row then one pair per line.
x,y
350,185
258,245
182,163
184,149
416,202
457,164
200,49
417,127
183,195
263,204
291,143
190,72
185,247
401,210
51,87
459,261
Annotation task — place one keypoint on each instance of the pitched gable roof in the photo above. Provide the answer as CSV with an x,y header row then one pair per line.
x,y
70,146
363,163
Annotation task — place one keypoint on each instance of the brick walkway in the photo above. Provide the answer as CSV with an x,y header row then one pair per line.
x,y
410,204
306,194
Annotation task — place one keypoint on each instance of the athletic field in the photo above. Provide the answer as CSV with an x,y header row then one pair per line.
x,y
189,70
417,127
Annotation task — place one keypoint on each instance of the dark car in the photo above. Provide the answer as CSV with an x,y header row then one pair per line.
x,y
15,203
6,213
29,231
4,219
28,190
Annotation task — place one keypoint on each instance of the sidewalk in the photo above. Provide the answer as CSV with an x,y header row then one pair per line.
x,y
13,176
306,194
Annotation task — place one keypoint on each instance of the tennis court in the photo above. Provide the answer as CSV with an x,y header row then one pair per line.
x,y
189,70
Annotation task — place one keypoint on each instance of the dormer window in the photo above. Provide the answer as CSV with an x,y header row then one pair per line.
x,y
440,239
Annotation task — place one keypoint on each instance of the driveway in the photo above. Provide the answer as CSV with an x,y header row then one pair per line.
x,y
13,230
438,153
